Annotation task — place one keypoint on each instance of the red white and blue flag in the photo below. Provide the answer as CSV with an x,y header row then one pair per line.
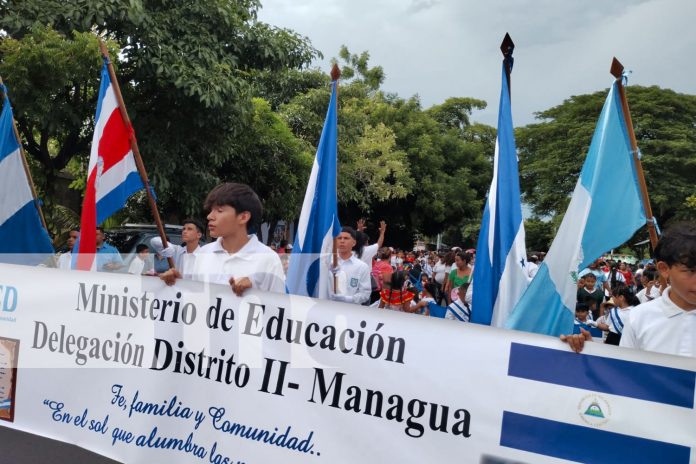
x,y
112,176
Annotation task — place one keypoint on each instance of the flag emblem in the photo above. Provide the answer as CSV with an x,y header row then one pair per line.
x,y
594,410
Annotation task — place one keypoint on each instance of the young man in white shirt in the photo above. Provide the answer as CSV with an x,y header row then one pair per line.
x,y
666,324
352,276
532,266
65,259
137,265
183,255
651,289
370,251
237,258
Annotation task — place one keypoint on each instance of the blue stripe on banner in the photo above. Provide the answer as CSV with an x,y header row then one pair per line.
x,y
585,444
659,384
116,199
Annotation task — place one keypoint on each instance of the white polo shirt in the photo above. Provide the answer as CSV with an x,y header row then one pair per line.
x,y
368,254
353,278
255,260
643,297
661,326
183,260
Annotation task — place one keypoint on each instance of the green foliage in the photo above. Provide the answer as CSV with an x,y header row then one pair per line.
x,y
186,72
280,87
552,152
454,112
356,67
53,83
268,156
689,210
420,173
539,234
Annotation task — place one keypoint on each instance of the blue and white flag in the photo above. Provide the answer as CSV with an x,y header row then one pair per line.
x,y
500,274
21,231
588,430
605,211
318,224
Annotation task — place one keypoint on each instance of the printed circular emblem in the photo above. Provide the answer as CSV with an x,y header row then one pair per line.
x,y
594,410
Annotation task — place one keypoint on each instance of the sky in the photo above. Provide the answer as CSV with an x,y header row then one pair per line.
x,y
451,48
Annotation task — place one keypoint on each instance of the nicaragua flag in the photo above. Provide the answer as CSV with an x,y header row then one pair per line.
x,y
500,274
605,211
21,230
584,403
318,224
112,175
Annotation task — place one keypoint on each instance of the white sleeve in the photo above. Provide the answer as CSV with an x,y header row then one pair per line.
x,y
368,254
469,297
136,266
364,286
169,252
273,277
628,336
64,261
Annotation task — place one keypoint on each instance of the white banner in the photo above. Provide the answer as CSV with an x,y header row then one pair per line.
x,y
140,372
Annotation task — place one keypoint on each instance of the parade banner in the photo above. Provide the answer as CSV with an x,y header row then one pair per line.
x,y
139,372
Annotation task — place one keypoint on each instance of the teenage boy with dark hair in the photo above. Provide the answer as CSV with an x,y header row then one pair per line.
x,y
591,295
651,287
108,258
237,257
666,324
191,234
352,276
137,265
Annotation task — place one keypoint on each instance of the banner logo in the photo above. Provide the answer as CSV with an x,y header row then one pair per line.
x,y
594,410
8,298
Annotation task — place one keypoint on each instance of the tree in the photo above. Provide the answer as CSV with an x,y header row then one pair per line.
x,y
397,162
552,151
185,70
539,234
54,82
454,112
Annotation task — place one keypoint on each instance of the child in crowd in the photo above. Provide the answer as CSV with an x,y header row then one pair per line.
x,y
591,295
137,265
427,295
459,309
583,320
396,295
667,324
651,289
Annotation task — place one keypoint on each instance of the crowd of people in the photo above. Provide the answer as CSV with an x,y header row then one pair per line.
x,y
434,283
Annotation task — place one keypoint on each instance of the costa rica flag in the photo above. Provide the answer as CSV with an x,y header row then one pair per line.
x,y
112,176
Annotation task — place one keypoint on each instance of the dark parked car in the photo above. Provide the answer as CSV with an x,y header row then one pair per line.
x,y
127,237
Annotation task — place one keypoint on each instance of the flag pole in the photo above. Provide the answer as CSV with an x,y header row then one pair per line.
x,y
27,171
134,147
507,47
617,70
335,76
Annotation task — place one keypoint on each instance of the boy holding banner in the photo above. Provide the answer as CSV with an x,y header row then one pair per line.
x,y
666,324
237,256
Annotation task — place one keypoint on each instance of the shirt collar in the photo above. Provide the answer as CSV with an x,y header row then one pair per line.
x,y
668,307
350,259
244,253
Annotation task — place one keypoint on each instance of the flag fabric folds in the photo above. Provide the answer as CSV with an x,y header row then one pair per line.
x,y
318,223
112,175
21,230
500,274
604,211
